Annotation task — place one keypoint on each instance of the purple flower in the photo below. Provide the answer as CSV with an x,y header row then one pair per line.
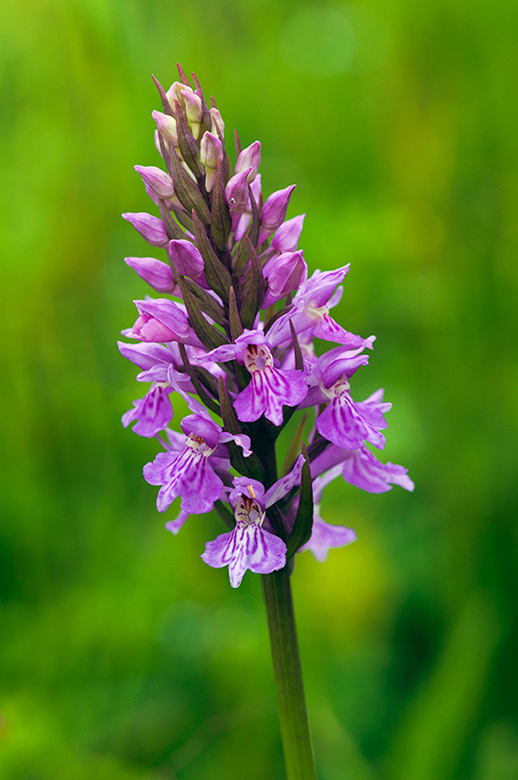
x,y
311,312
246,214
159,181
361,468
162,320
157,361
249,160
166,126
153,413
187,260
190,473
286,237
237,197
175,525
348,424
324,536
285,273
249,545
274,211
270,388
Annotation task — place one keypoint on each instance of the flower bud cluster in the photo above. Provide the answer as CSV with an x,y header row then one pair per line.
x,y
233,333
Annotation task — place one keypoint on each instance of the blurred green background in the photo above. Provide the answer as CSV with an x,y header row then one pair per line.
x,y
122,655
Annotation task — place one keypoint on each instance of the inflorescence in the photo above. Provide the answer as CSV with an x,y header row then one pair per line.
x,y
233,333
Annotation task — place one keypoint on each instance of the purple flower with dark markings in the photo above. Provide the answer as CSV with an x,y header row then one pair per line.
x,y
348,424
153,413
310,313
361,468
241,347
325,536
270,388
189,473
250,545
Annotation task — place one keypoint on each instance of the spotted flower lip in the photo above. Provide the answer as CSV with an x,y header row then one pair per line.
x,y
152,413
361,468
190,473
270,388
310,313
249,545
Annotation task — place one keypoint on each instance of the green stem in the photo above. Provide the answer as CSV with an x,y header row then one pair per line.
x,y
296,738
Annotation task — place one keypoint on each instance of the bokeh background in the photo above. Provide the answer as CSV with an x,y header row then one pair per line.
x,y
122,655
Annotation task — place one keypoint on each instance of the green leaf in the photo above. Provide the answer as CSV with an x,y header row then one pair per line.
x,y
215,272
186,190
251,466
236,327
208,400
304,521
255,295
172,228
207,333
221,223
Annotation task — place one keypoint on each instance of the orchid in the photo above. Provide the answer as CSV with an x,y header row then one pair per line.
x,y
237,343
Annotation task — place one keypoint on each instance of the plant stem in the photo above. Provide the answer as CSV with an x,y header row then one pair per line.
x,y
296,738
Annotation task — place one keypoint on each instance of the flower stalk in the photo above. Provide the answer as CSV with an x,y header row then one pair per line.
x,y
293,716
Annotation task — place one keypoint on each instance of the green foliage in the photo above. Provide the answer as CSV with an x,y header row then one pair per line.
x,y
121,654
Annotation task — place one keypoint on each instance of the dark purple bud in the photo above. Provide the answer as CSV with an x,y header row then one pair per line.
x,y
249,158
151,228
159,181
287,236
274,211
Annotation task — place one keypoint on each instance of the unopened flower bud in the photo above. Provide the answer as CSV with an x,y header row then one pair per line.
x,y
285,273
236,191
287,236
157,274
159,181
186,258
160,320
249,158
166,126
151,228
274,211
175,92
193,111
246,216
211,152
217,122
